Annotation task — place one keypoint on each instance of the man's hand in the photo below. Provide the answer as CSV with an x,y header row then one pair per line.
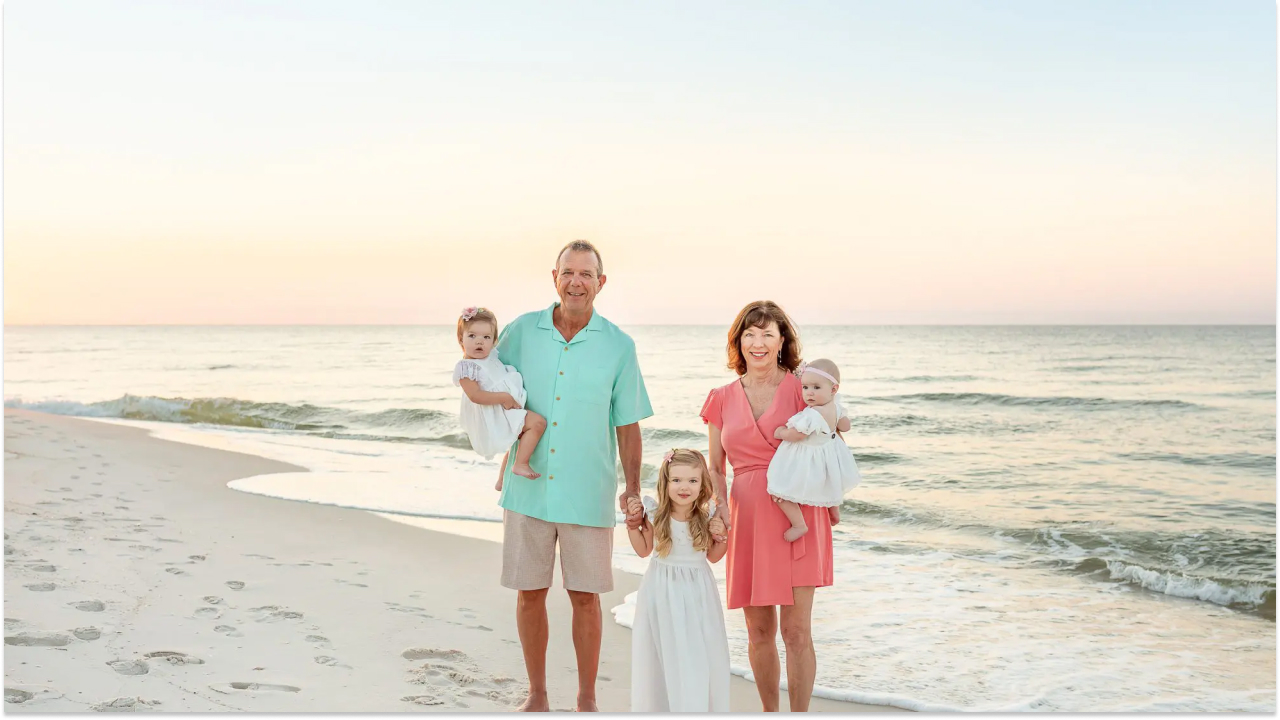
x,y
509,403
626,501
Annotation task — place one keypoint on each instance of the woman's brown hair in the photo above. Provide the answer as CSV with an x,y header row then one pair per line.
x,y
759,314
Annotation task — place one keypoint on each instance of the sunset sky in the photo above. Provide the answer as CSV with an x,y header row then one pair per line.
x,y
945,161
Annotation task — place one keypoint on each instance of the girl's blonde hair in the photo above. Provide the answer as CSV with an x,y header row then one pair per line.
x,y
699,519
480,315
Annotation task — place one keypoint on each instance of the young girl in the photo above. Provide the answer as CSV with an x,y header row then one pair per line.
x,y
493,411
679,652
813,466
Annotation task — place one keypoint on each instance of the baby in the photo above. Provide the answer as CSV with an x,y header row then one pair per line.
x,y
492,410
813,466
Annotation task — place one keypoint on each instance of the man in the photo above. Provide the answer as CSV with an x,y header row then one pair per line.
x,y
582,375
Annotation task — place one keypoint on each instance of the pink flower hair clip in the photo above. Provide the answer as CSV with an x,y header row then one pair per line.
x,y
469,312
667,458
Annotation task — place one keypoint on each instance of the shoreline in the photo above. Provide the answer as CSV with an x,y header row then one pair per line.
x,y
143,544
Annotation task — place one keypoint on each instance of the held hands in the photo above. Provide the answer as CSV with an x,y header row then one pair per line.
x,y
717,529
629,503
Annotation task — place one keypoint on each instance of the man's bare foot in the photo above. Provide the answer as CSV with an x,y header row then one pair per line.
x,y
795,533
523,470
587,705
536,702
834,514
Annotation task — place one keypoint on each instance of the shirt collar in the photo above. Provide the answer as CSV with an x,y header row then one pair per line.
x,y
595,324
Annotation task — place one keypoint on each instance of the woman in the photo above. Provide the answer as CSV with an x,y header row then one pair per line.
x,y
763,570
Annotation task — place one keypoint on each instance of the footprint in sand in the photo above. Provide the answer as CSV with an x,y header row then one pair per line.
x,y
275,613
228,630
252,687
38,640
433,654
175,571
452,672
16,696
42,568
212,599
422,699
129,667
41,587
318,640
208,612
87,634
197,558
124,704
174,658
88,605
235,584
328,660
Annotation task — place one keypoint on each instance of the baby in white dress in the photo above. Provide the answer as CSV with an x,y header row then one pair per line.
x,y
493,412
813,466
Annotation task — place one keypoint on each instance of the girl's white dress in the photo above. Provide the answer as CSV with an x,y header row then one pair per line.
x,y
491,428
817,470
679,651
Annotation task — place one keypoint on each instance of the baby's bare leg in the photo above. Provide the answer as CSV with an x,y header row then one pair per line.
x,y
534,426
798,526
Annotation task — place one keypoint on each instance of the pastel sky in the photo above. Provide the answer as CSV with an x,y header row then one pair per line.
x,y
914,161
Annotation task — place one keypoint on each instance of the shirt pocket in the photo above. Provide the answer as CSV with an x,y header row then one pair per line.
x,y
593,385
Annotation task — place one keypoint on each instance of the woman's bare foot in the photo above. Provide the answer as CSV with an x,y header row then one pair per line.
x,y
536,702
795,533
523,470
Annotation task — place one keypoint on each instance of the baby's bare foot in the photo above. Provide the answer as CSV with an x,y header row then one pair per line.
x,y
795,533
523,470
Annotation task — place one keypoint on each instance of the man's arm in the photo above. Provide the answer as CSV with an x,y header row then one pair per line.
x,y
630,449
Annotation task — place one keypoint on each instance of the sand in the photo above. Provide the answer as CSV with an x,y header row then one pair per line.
x,y
135,580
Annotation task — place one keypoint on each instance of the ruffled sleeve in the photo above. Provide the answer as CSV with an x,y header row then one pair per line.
x,y
650,507
712,414
840,411
469,369
807,421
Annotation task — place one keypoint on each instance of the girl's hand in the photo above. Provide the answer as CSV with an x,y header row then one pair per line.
x,y
509,403
717,530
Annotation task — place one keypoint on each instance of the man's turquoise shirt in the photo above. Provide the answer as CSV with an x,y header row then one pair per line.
x,y
584,388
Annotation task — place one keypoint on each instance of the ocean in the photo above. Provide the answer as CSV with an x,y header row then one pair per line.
x,y
1057,518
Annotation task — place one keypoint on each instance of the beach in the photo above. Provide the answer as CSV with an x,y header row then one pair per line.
x,y
136,580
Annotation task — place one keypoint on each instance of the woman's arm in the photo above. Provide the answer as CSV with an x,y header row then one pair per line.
x,y
481,397
718,477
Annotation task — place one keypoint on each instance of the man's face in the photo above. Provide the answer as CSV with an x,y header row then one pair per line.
x,y
577,280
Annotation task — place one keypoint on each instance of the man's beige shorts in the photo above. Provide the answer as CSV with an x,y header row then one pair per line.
x,y
529,554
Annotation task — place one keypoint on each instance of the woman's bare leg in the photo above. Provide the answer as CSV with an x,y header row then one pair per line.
x,y
802,664
762,650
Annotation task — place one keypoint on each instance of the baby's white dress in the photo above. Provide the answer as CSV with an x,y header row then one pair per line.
x,y
491,428
817,470
679,650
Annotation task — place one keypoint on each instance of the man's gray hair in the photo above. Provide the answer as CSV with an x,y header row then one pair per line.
x,y
581,246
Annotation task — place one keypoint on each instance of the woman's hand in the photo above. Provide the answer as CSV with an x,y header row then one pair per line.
x,y
720,519
717,529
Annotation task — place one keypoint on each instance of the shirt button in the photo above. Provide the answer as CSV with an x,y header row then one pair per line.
x,y
554,424
557,397
551,477
553,450
561,372
566,348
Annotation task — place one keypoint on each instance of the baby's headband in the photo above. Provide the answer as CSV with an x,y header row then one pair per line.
x,y
809,368
469,312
